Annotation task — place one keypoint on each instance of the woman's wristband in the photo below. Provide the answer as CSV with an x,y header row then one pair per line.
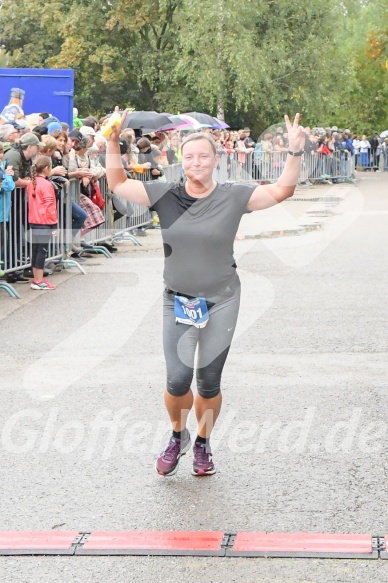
x,y
300,153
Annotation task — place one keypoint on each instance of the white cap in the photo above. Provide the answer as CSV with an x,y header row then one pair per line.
x,y
87,131
75,111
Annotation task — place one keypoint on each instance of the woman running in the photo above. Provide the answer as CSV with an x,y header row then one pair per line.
x,y
199,221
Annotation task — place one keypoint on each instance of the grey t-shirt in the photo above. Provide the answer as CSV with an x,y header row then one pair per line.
x,y
198,234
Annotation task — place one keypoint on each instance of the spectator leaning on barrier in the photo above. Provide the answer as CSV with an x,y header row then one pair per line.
x,y
218,139
6,187
61,141
100,142
9,134
356,146
374,146
311,156
242,150
20,155
129,136
311,144
249,143
279,155
145,157
162,145
74,145
266,147
364,151
95,163
157,165
228,142
379,149
279,134
58,174
79,166
348,142
93,152
78,215
89,132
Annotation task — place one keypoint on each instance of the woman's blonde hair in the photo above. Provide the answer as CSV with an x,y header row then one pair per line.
x,y
200,136
39,165
128,134
50,143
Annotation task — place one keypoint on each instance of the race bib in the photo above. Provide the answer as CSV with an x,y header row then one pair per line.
x,y
193,311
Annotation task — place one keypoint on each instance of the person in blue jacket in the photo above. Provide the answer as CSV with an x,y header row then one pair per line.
x,y
6,187
348,144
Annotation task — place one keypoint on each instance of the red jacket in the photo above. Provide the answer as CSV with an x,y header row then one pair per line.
x,y
42,208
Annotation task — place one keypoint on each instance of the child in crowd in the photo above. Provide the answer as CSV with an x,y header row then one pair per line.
x,y
156,165
42,218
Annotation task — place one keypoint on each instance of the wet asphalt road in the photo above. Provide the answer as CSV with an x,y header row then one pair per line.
x,y
301,442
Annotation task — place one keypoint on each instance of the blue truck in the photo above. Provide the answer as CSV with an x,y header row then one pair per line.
x,y
50,90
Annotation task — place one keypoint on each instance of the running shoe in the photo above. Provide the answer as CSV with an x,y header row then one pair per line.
x,y
44,285
168,461
202,464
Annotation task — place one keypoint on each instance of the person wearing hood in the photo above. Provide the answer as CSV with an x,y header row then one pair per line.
x,y
77,123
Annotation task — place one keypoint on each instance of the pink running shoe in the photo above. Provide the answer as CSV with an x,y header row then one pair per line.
x,y
44,285
202,464
168,461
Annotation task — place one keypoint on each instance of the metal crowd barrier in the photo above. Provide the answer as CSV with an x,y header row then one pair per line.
x,y
15,242
385,159
173,173
268,166
371,159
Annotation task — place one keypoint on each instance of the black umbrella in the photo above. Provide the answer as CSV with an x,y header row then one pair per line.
x,y
146,120
204,118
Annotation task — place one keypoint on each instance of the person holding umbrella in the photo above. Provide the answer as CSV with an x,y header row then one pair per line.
x,y
199,220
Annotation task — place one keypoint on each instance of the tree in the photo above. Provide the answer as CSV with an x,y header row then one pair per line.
x,y
363,105
254,60
271,57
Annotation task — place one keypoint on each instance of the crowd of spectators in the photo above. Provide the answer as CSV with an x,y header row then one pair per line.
x,y
80,154
327,151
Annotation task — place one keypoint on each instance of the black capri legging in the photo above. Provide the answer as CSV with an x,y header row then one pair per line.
x,y
180,342
40,238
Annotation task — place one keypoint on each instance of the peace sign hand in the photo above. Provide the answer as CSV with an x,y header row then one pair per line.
x,y
296,134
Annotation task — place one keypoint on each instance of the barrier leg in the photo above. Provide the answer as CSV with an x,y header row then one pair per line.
x,y
95,249
126,236
10,290
72,263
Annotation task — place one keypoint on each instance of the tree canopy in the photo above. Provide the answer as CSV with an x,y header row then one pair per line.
x,y
254,60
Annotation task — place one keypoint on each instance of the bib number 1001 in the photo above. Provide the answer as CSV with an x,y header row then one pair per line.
x,y
191,313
